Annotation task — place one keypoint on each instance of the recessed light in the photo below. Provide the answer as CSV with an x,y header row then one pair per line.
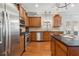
x,y
72,5
36,5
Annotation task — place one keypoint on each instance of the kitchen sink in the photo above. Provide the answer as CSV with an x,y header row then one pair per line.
x,y
71,36
68,36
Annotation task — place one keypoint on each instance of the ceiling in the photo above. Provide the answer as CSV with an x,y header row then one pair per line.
x,y
50,7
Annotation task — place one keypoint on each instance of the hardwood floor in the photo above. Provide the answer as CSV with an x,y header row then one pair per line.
x,y
38,49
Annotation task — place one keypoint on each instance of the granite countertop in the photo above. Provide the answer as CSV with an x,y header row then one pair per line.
x,y
67,41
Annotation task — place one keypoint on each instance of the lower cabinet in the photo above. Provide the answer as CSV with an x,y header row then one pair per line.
x,y
43,36
59,51
46,36
52,46
36,36
22,42
57,48
21,45
33,36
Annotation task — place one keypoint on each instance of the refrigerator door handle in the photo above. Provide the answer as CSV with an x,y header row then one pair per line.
x,y
2,13
5,32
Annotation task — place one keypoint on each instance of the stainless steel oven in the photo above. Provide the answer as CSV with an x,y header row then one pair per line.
x,y
22,26
27,39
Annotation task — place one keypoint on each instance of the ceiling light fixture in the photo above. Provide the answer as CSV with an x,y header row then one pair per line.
x,y
58,5
36,5
72,5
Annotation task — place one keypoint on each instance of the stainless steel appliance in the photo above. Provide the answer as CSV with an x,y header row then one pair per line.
x,y
24,31
9,29
27,39
2,30
22,26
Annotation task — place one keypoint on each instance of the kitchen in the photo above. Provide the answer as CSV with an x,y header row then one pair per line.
x,y
39,29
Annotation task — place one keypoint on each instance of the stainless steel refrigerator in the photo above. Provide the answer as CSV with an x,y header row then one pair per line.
x,y
9,29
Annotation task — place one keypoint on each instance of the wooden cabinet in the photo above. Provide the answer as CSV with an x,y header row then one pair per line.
x,y
46,36
20,47
26,21
57,48
21,43
73,51
52,46
34,21
61,50
21,11
53,42
57,20
23,14
33,36
64,48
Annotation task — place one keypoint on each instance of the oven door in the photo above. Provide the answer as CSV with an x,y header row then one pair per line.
x,y
27,39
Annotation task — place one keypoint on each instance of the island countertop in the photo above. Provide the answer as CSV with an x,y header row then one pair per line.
x,y
72,42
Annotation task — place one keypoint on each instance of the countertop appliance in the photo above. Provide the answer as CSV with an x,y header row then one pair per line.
x,y
9,29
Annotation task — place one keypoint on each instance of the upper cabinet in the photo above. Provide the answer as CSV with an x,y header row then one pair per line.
x,y
57,20
23,14
21,11
34,21
26,19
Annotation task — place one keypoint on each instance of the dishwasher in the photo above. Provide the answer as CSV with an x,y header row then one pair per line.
x,y
39,36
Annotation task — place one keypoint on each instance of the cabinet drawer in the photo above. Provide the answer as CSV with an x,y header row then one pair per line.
x,y
62,46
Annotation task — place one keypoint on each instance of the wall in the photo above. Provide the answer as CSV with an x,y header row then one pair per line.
x,y
66,17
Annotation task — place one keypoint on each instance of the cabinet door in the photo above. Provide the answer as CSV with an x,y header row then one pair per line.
x,y
22,42
52,46
33,36
35,21
21,12
57,21
59,51
24,13
26,20
46,36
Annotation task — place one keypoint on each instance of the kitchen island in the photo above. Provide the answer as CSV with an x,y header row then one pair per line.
x,y
64,46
